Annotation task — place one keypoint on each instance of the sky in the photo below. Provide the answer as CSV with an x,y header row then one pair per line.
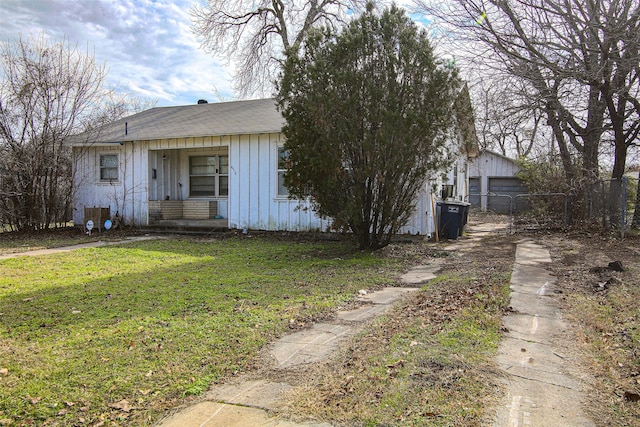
x,y
147,45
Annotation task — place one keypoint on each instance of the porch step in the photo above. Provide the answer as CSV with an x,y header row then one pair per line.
x,y
189,226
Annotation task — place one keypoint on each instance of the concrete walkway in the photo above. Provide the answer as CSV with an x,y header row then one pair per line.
x,y
251,401
539,390
70,248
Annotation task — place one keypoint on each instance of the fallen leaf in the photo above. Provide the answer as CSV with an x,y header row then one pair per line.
x,y
122,405
4,371
631,397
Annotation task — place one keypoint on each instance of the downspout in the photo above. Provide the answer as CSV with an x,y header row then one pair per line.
x,y
133,182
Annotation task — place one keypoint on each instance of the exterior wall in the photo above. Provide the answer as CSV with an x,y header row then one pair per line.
x,y
126,196
158,170
253,194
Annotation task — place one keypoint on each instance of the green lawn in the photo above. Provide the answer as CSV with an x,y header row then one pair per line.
x,y
118,334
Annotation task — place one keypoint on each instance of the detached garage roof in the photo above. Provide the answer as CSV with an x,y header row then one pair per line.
x,y
215,119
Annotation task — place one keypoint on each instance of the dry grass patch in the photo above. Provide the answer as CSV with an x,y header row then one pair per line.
x,y
603,306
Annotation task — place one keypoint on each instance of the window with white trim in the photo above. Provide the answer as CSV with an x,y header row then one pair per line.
x,y
208,176
108,167
283,160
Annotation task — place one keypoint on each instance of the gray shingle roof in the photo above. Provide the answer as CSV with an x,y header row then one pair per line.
x,y
215,119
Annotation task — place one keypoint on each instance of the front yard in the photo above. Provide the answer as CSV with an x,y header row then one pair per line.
x,y
119,334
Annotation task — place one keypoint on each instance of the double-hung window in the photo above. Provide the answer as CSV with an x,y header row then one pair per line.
x,y
283,160
108,167
208,176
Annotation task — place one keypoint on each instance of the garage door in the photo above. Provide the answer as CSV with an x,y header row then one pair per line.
x,y
503,191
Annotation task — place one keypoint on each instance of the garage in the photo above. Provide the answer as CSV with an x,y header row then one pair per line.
x,y
494,182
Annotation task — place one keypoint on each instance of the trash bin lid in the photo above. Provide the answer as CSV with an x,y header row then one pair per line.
x,y
454,202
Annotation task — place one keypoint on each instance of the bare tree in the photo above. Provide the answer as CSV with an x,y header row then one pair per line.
x,y
581,59
506,119
255,35
47,92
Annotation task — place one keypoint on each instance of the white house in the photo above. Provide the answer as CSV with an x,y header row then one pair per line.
x,y
493,182
203,162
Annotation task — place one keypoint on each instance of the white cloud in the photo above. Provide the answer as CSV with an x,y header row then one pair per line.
x,y
147,45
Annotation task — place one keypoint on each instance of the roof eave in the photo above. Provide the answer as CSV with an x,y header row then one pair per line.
x,y
121,142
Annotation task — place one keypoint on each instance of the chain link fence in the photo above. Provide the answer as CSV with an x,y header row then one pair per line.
x,y
612,204
606,205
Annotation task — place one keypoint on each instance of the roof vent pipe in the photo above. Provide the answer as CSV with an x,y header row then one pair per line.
x,y
202,101
126,128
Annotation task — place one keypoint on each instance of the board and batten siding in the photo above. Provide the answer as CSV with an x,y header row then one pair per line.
x,y
254,202
128,195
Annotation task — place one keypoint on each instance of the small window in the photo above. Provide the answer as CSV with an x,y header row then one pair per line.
x,y
283,160
108,167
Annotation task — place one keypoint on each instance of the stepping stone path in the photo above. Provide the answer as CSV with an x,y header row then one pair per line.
x,y
251,401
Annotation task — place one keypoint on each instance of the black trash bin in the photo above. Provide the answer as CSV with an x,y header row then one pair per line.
x,y
453,218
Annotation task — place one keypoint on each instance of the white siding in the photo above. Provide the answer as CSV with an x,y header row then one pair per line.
x,y
253,199
252,203
419,223
494,165
491,165
126,196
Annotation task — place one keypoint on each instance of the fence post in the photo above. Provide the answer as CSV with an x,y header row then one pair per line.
x,y
566,208
513,207
623,207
